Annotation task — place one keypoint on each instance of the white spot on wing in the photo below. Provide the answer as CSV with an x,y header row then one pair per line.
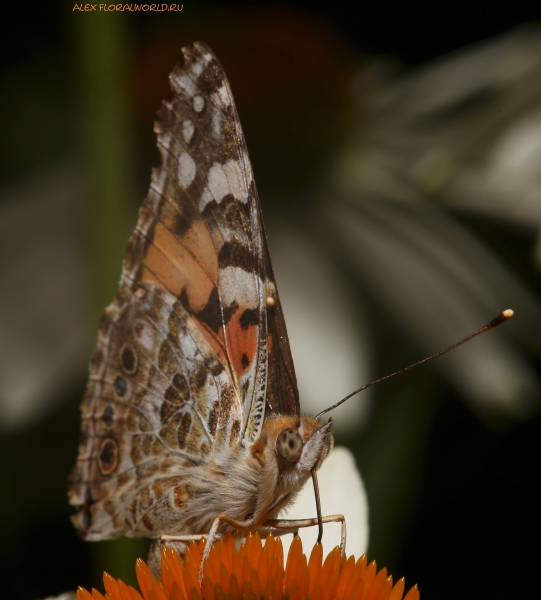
x,y
146,338
183,83
198,103
197,68
217,182
224,95
186,169
206,197
233,173
164,143
188,346
223,180
187,130
238,285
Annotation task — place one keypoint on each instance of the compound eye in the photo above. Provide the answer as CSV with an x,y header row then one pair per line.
x,y
289,445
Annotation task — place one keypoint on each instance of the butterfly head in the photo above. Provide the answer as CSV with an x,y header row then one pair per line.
x,y
299,444
288,449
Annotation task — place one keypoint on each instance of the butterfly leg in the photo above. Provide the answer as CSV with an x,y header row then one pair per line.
x,y
295,524
214,535
182,538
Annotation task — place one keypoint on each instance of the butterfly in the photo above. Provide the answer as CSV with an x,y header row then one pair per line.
x,y
192,408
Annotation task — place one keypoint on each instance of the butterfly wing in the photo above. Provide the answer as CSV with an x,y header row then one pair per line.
x,y
193,350
282,394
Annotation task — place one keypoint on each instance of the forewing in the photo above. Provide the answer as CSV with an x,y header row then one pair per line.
x,y
282,393
188,356
206,165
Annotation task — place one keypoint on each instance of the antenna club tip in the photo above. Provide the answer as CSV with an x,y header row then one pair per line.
x,y
507,314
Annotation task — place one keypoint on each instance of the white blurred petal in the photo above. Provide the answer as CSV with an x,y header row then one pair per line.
x,y
416,269
44,331
517,156
328,343
342,492
465,129
65,596
507,183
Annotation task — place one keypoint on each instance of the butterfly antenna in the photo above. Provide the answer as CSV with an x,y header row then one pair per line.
x,y
506,314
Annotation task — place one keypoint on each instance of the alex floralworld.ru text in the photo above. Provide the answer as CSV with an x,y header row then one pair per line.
x,y
129,7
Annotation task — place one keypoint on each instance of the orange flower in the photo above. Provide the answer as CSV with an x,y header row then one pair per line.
x,y
256,572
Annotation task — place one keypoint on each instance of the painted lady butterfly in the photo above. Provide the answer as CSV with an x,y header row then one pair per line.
x,y
192,408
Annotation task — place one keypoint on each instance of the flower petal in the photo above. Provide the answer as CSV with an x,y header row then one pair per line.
x,y
341,491
331,350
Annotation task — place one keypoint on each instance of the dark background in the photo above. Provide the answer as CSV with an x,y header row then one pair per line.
x,y
469,522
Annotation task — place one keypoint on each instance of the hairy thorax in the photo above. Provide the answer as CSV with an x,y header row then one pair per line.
x,y
252,481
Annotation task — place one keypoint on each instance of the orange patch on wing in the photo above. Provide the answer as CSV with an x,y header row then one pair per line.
x,y
148,275
242,343
197,240
216,341
175,268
